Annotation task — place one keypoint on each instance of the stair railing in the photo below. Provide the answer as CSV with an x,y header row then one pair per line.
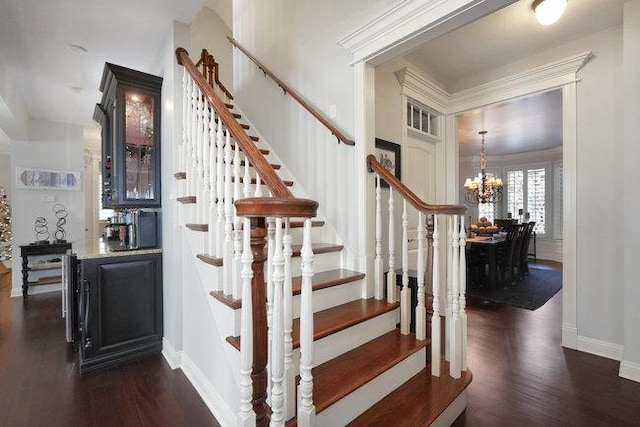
x,y
213,148
438,225
295,95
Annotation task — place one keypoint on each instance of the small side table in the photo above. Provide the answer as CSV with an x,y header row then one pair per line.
x,y
53,267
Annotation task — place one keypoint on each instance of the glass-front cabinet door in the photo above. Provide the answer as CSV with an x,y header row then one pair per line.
x,y
131,100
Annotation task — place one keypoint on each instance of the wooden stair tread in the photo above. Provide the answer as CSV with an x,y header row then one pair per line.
x,y
336,319
187,200
273,165
417,402
327,279
198,227
253,181
318,248
338,377
46,281
300,224
321,280
210,260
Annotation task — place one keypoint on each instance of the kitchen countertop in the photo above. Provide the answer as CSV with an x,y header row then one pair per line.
x,y
98,248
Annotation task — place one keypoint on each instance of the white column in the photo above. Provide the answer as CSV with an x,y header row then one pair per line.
x,y
378,275
405,295
306,409
463,295
277,328
289,367
436,338
454,338
391,274
246,416
421,311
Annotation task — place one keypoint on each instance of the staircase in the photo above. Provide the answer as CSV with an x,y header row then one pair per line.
x,y
327,356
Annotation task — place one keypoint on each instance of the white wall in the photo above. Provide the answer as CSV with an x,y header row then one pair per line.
x,y
55,147
297,41
630,367
209,31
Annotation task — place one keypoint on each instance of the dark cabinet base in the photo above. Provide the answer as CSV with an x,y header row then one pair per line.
x,y
120,309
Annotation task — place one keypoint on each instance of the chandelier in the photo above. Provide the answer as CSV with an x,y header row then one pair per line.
x,y
483,188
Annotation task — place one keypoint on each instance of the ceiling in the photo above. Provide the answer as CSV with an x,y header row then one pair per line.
x,y
60,84
504,37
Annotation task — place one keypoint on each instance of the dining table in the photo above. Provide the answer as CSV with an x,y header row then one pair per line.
x,y
488,245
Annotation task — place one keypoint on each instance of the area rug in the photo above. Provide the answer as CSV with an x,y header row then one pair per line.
x,y
531,293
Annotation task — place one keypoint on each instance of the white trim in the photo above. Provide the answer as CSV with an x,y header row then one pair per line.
x,y
208,393
600,348
171,355
569,336
630,370
546,77
422,88
409,23
453,411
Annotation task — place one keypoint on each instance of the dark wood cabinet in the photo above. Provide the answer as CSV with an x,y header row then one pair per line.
x,y
129,114
119,309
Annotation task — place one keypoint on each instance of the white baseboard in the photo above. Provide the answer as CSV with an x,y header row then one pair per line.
x,y
171,355
630,370
600,348
215,403
569,336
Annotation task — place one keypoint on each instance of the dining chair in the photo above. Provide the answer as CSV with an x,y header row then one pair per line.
x,y
507,254
524,250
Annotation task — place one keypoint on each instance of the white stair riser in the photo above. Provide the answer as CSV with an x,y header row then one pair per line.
x,y
348,408
321,262
331,297
336,344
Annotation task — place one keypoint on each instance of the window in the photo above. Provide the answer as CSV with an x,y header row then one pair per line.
x,y
526,196
422,118
487,210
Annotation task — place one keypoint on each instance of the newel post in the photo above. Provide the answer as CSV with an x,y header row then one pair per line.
x,y
259,367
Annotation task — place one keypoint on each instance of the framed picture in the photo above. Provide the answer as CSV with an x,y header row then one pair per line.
x,y
41,179
388,154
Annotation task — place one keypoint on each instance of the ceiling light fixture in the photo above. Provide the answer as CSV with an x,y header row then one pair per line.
x,y
548,11
484,188
76,48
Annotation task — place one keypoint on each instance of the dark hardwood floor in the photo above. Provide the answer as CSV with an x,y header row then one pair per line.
x,y
40,385
522,376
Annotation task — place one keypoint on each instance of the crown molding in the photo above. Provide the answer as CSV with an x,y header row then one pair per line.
x,y
410,23
416,85
543,78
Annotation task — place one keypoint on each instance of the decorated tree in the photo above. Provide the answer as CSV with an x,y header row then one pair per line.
x,y
5,226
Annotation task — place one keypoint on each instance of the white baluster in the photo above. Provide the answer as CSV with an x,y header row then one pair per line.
x,y
258,192
463,292
237,225
456,349
449,292
405,295
271,232
227,248
289,367
378,274
199,156
194,118
421,311
246,179
203,198
277,328
436,338
246,417
215,131
306,409
220,140
183,145
391,274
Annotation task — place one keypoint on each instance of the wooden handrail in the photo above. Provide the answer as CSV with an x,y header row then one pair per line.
x,y
409,195
287,90
210,69
256,158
